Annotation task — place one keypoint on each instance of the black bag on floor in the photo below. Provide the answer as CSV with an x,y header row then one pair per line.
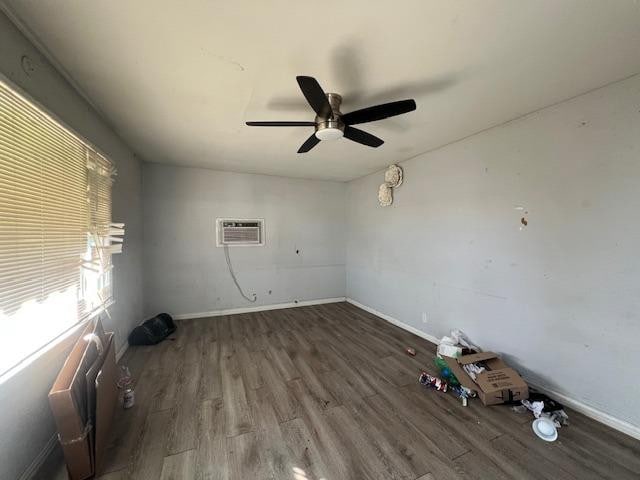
x,y
153,330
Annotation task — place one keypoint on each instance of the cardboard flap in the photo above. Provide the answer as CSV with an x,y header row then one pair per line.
x,y
106,396
68,405
476,357
65,376
459,373
498,384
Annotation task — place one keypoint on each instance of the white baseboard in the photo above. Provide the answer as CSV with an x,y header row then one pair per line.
x,y
588,411
37,462
577,405
395,321
261,308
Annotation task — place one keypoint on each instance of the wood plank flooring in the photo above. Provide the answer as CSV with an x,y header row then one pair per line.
x,y
327,392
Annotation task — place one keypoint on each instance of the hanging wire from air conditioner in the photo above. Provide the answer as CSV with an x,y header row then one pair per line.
x,y
233,276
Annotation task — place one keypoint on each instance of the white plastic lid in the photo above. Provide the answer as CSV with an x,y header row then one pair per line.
x,y
545,429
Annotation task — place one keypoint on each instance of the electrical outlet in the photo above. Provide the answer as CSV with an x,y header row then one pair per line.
x,y
424,317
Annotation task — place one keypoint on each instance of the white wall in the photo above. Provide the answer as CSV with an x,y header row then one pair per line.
x,y
185,272
26,423
559,297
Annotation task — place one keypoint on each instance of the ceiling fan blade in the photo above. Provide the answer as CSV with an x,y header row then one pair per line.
x,y
362,137
311,142
281,124
315,96
378,112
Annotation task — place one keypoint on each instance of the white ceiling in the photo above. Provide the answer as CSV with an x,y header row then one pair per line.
x,y
179,79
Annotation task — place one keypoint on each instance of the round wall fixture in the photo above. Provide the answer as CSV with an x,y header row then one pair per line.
x,y
385,195
392,179
27,65
393,176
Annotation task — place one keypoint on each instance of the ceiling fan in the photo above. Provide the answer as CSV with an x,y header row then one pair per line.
x,y
331,124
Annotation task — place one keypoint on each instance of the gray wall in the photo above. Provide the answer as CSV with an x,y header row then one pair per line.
x,y
185,272
26,423
560,296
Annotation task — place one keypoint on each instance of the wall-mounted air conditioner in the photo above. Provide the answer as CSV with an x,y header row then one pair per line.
x,y
239,232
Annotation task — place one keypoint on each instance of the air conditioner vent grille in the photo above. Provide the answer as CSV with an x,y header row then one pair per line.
x,y
239,232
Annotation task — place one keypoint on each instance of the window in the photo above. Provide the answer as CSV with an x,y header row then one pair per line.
x,y
56,235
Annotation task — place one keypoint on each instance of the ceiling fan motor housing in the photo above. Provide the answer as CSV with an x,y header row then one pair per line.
x,y
331,128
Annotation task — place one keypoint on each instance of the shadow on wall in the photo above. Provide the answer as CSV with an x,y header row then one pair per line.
x,y
348,69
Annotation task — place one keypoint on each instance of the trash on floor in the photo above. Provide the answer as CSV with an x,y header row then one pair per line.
x,y
545,429
433,382
534,407
445,371
468,370
473,370
125,384
544,407
463,393
411,351
519,409
558,417
550,405
456,344
496,384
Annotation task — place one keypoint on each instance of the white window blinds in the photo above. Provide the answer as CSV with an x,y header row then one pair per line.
x,y
55,225
96,286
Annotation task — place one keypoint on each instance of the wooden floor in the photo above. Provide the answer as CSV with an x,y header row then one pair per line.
x,y
327,392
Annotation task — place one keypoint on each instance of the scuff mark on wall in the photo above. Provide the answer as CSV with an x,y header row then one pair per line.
x,y
471,290
238,66
523,220
222,58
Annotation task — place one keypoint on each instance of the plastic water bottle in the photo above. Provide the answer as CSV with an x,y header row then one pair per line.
x,y
125,383
445,372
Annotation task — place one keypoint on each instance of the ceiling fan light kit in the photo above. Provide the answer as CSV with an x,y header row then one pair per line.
x,y
331,128
331,124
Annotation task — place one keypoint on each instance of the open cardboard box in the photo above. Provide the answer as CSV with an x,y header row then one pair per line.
x,y
83,399
498,384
